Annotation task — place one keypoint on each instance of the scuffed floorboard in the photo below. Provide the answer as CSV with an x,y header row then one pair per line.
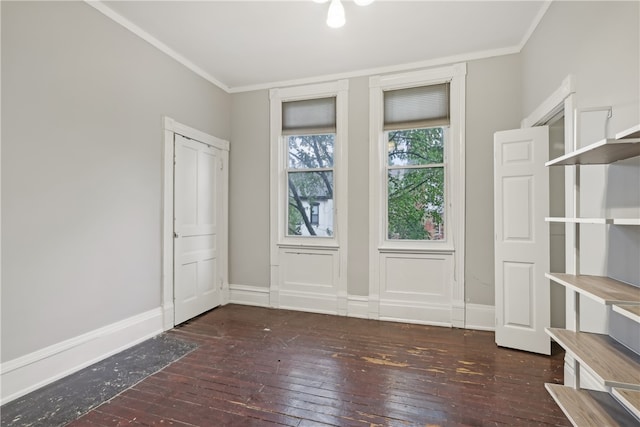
x,y
257,366
65,400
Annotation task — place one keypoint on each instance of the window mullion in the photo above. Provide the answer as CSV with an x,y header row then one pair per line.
x,y
309,170
431,165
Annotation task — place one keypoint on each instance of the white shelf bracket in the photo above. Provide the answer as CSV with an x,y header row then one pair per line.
x,y
577,116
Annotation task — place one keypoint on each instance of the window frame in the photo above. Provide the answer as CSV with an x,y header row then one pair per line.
x,y
454,162
279,164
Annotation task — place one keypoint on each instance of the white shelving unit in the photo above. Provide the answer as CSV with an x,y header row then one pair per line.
x,y
615,367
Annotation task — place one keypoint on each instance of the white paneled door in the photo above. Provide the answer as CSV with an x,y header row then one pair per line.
x,y
197,211
521,202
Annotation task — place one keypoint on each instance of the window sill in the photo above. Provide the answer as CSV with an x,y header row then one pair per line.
x,y
444,249
289,245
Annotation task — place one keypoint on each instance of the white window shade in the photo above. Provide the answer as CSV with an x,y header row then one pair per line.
x,y
416,107
310,116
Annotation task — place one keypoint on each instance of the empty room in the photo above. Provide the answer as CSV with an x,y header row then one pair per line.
x,y
320,213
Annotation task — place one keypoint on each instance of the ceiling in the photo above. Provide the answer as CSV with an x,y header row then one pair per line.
x,y
242,45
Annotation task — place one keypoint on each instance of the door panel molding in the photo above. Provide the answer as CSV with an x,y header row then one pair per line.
x,y
521,203
172,128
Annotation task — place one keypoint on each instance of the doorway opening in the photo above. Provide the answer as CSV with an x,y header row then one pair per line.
x,y
557,233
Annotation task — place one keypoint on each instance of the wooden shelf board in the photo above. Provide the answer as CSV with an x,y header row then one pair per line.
x,y
626,221
627,310
630,399
602,152
580,220
587,408
604,290
632,132
610,362
614,221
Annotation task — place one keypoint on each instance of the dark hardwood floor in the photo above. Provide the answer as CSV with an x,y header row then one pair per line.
x,y
257,366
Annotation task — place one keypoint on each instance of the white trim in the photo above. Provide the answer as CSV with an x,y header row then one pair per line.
x,y
249,295
382,70
552,105
358,306
171,127
116,17
457,231
34,370
415,312
472,56
534,24
191,133
278,155
310,302
480,317
455,184
564,98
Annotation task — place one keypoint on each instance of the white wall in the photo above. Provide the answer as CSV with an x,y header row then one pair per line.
x,y
493,104
249,190
358,223
595,41
82,106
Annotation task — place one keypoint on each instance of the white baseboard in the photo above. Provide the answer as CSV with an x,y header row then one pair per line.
x,y
249,295
458,314
34,370
358,306
415,312
480,317
477,316
312,302
168,316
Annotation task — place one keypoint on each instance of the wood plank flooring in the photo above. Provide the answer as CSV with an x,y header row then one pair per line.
x,y
259,367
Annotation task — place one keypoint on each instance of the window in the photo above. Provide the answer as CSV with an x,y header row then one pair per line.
x,y
308,160
415,184
416,163
416,195
309,129
308,196
416,127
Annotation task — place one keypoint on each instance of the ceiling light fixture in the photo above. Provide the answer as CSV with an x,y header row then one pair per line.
x,y
335,17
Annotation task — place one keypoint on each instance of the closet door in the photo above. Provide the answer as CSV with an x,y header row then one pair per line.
x,y
521,197
197,214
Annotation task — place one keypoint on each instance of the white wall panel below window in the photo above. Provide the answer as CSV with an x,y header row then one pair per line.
x,y
416,288
309,279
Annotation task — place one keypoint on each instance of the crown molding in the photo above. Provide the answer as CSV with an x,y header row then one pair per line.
x,y
116,17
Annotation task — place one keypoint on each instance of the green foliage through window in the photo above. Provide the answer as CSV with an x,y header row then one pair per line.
x,y
415,184
310,185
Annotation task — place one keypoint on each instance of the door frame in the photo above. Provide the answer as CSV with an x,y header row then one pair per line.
x,y
563,98
170,128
